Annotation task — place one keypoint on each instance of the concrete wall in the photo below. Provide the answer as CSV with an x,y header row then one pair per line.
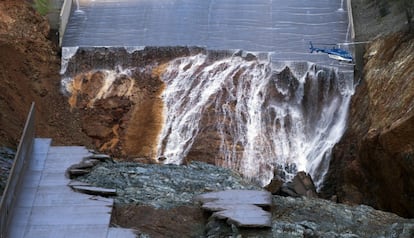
x,y
58,16
64,18
21,160
54,12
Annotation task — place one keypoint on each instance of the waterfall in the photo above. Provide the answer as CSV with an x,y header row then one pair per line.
x,y
341,8
78,10
241,111
254,116
67,54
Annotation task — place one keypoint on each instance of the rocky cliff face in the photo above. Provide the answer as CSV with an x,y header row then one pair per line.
x,y
374,162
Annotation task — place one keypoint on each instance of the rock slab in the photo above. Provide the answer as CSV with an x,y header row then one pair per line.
x,y
240,207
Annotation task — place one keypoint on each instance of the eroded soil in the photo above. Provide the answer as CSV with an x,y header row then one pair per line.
x,y
29,72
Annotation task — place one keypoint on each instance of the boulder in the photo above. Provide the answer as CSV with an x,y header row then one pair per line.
x,y
301,185
275,185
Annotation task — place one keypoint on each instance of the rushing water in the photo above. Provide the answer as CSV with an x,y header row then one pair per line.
x,y
266,115
341,8
254,115
246,112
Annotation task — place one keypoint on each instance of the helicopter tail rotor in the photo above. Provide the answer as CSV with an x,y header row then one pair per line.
x,y
311,48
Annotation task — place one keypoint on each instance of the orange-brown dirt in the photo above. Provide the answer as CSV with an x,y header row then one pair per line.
x,y
149,113
123,115
183,221
29,72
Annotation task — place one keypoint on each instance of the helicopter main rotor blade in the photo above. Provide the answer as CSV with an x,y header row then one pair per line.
x,y
354,43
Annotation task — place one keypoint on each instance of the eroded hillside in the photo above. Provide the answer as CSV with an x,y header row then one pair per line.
x,y
29,72
374,162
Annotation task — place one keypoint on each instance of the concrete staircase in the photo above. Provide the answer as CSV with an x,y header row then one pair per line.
x,y
48,208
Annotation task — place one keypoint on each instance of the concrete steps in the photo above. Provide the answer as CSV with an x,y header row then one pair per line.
x,y
47,207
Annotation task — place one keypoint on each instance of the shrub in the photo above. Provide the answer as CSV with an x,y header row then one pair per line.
x,y
41,6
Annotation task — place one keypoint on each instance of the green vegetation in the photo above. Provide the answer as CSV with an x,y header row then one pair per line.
x,y
42,6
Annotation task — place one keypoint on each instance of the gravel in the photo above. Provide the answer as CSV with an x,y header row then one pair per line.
x,y
163,186
172,186
6,163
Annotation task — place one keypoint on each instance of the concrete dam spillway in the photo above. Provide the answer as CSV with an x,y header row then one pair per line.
x,y
217,89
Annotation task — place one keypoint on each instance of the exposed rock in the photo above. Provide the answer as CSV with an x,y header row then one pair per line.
x,y
6,163
309,217
250,57
163,186
373,162
375,157
304,217
301,185
275,185
158,199
120,107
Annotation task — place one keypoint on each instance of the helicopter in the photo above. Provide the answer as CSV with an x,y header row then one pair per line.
x,y
333,53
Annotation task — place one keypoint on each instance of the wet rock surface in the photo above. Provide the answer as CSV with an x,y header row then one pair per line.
x,y
158,201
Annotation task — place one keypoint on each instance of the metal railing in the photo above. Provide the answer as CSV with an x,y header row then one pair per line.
x,y
64,18
21,160
350,19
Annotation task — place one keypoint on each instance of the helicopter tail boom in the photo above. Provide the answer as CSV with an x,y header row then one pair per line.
x,y
312,49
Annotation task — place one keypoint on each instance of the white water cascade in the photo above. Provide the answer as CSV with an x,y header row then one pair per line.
x,y
261,116
341,8
78,10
